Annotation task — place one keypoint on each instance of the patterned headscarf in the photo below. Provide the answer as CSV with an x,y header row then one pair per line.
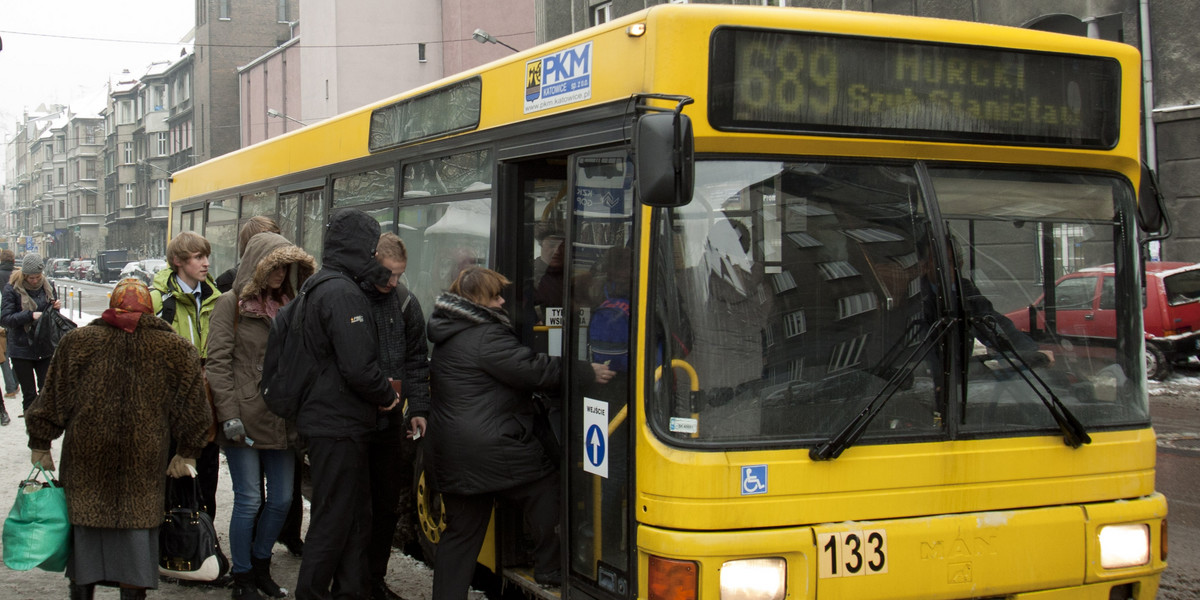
x,y
130,300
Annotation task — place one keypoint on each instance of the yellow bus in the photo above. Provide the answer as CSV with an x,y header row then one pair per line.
x,y
806,240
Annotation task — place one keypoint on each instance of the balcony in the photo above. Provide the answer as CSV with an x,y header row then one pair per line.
x,y
125,214
86,220
157,213
181,107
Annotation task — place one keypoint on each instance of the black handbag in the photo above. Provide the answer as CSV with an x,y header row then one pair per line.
x,y
49,329
187,540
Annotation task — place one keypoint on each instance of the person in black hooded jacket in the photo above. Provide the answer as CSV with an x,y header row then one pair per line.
x,y
340,410
482,429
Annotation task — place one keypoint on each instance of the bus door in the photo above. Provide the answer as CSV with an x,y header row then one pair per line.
x,y
598,442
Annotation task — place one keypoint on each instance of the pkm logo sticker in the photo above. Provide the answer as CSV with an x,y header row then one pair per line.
x,y
560,78
754,480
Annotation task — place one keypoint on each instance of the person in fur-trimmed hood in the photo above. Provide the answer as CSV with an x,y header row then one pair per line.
x,y
482,428
255,440
145,389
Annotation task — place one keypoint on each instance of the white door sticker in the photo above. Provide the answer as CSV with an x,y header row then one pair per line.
x,y
595,437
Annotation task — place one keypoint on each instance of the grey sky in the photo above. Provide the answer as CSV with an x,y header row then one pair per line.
x,y
64,51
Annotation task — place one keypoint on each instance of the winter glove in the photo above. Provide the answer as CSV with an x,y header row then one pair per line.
x,y
181,467
234,430
43,459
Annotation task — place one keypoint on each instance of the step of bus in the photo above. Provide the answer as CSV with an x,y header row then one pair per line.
x,y
523,577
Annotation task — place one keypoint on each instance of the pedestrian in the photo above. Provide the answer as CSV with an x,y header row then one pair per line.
x,y
26,296
403,357
146,390
184,295
7,261
257,443
289,536
482,429
339,412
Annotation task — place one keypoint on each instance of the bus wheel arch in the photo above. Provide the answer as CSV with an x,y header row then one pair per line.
x,y
431,519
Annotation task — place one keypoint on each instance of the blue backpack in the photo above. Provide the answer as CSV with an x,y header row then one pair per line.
x,y
608,334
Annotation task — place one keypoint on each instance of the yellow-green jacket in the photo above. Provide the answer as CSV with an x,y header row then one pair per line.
x,y
186,322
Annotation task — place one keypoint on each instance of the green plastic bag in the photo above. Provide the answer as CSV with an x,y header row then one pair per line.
x,y
37,532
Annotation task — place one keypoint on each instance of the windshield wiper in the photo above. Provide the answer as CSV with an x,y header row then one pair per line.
x,y
1074,433
834,446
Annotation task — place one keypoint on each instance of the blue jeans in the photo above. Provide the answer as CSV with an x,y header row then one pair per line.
x,y
246,468
10,380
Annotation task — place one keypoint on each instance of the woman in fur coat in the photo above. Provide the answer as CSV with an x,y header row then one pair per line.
x,y
117,391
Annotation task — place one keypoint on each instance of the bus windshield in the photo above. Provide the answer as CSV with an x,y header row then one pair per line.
x,y
803,293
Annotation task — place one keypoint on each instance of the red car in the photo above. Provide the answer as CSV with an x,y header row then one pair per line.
x,y
1087,308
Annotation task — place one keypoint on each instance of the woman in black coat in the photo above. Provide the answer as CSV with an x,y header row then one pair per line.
x,y
481,428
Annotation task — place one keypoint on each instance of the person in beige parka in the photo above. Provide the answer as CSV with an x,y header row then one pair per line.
x,y
255,440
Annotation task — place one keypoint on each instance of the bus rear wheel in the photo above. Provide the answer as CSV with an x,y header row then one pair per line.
x,y
431,520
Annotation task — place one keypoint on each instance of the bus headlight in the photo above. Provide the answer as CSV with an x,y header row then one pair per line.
x,y
754,579
1124,545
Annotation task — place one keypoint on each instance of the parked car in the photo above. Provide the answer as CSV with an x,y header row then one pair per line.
x,y
1086,307
143,269
79,268
58,267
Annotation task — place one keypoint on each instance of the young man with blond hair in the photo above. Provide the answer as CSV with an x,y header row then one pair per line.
x,y
184,295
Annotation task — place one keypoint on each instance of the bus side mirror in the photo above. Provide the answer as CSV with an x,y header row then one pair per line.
x,y
1151,214
664,159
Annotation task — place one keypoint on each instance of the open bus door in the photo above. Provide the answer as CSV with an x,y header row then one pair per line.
x,y
599,535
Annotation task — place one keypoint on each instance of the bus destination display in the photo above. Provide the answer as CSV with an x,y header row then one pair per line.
x,y
826,84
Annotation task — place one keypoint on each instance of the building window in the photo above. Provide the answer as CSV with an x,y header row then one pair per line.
x,y
158,95
601,13
89,169
163,149
89,134
62,176
91,204
62,209
162,193
281,11
129,195
128,147
420,52
794,324
223,7
49,152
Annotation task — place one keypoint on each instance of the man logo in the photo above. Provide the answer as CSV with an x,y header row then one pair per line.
x,y
533,79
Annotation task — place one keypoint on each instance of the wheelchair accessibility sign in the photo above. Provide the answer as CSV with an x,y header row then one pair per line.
x,y
754,480
595,437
